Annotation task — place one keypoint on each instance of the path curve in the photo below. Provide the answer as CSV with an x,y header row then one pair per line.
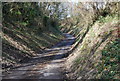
x,y
45,66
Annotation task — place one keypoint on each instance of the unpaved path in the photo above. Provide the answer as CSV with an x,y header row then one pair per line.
x,y
45,66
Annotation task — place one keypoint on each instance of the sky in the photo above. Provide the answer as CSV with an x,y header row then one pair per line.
x,y
74,1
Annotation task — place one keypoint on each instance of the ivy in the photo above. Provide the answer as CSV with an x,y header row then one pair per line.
x,y
109,68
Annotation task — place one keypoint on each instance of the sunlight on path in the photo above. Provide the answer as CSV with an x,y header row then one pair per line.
x,y
47,65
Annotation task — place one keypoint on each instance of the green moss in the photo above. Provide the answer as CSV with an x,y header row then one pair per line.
x,y
78,60
108,18
109,68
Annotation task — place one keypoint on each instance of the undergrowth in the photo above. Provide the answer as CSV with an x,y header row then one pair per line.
x,y
109,68
108,18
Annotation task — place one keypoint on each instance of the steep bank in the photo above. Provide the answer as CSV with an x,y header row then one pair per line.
x,y
86,56
94,33
30,28
24,35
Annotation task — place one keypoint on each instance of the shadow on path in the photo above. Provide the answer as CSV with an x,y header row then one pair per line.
x,y
53,58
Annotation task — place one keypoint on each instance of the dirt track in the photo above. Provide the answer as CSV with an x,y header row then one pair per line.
x,y
47,65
